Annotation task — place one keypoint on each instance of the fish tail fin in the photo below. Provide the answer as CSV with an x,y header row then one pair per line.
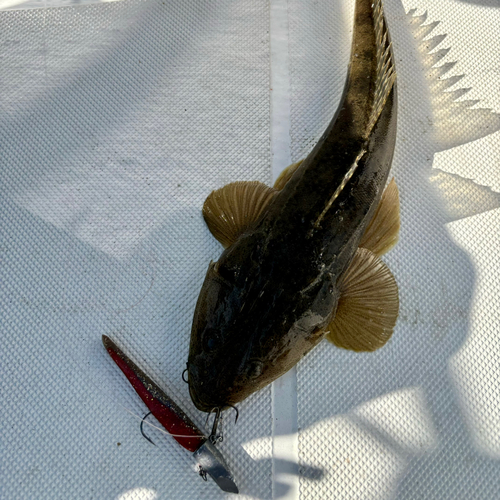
x,y
386,72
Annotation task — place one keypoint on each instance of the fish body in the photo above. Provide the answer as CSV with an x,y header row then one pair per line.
x,y
269,298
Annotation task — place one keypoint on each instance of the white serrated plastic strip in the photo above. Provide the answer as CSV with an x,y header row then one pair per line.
x,y
284,390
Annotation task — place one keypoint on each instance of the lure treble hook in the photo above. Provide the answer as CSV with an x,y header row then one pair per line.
x,y
237,412
142,428
214,437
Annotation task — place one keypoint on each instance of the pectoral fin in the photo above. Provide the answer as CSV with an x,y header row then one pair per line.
x,y
383,231
284,177
231,210
368,305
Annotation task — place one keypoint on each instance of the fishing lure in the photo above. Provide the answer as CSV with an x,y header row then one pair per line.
x,y
174,420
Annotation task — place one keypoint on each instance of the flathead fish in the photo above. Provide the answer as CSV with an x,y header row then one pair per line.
x,y
302,259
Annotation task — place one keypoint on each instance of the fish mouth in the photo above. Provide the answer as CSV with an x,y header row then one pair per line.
x,y
208,393
206,404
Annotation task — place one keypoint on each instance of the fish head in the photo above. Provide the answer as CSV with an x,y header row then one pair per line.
x,y
216,347
242,340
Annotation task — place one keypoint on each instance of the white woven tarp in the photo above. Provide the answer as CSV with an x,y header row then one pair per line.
x,y
117,120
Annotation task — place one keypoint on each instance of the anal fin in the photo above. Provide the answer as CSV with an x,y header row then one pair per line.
x,y
368,306
382,232
232,209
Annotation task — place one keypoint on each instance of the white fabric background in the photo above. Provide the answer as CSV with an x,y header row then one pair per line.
x,y
117,120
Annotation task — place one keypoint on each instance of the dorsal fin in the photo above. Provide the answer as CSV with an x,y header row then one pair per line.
x,y
386,73
286,175
382,233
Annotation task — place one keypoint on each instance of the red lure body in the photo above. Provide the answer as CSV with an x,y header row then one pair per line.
x,y
175,421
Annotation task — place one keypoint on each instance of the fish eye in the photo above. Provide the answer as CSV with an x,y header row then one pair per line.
x,y
211,339
255,368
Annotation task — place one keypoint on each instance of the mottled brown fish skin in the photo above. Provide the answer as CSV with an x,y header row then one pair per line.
x,y
265,303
